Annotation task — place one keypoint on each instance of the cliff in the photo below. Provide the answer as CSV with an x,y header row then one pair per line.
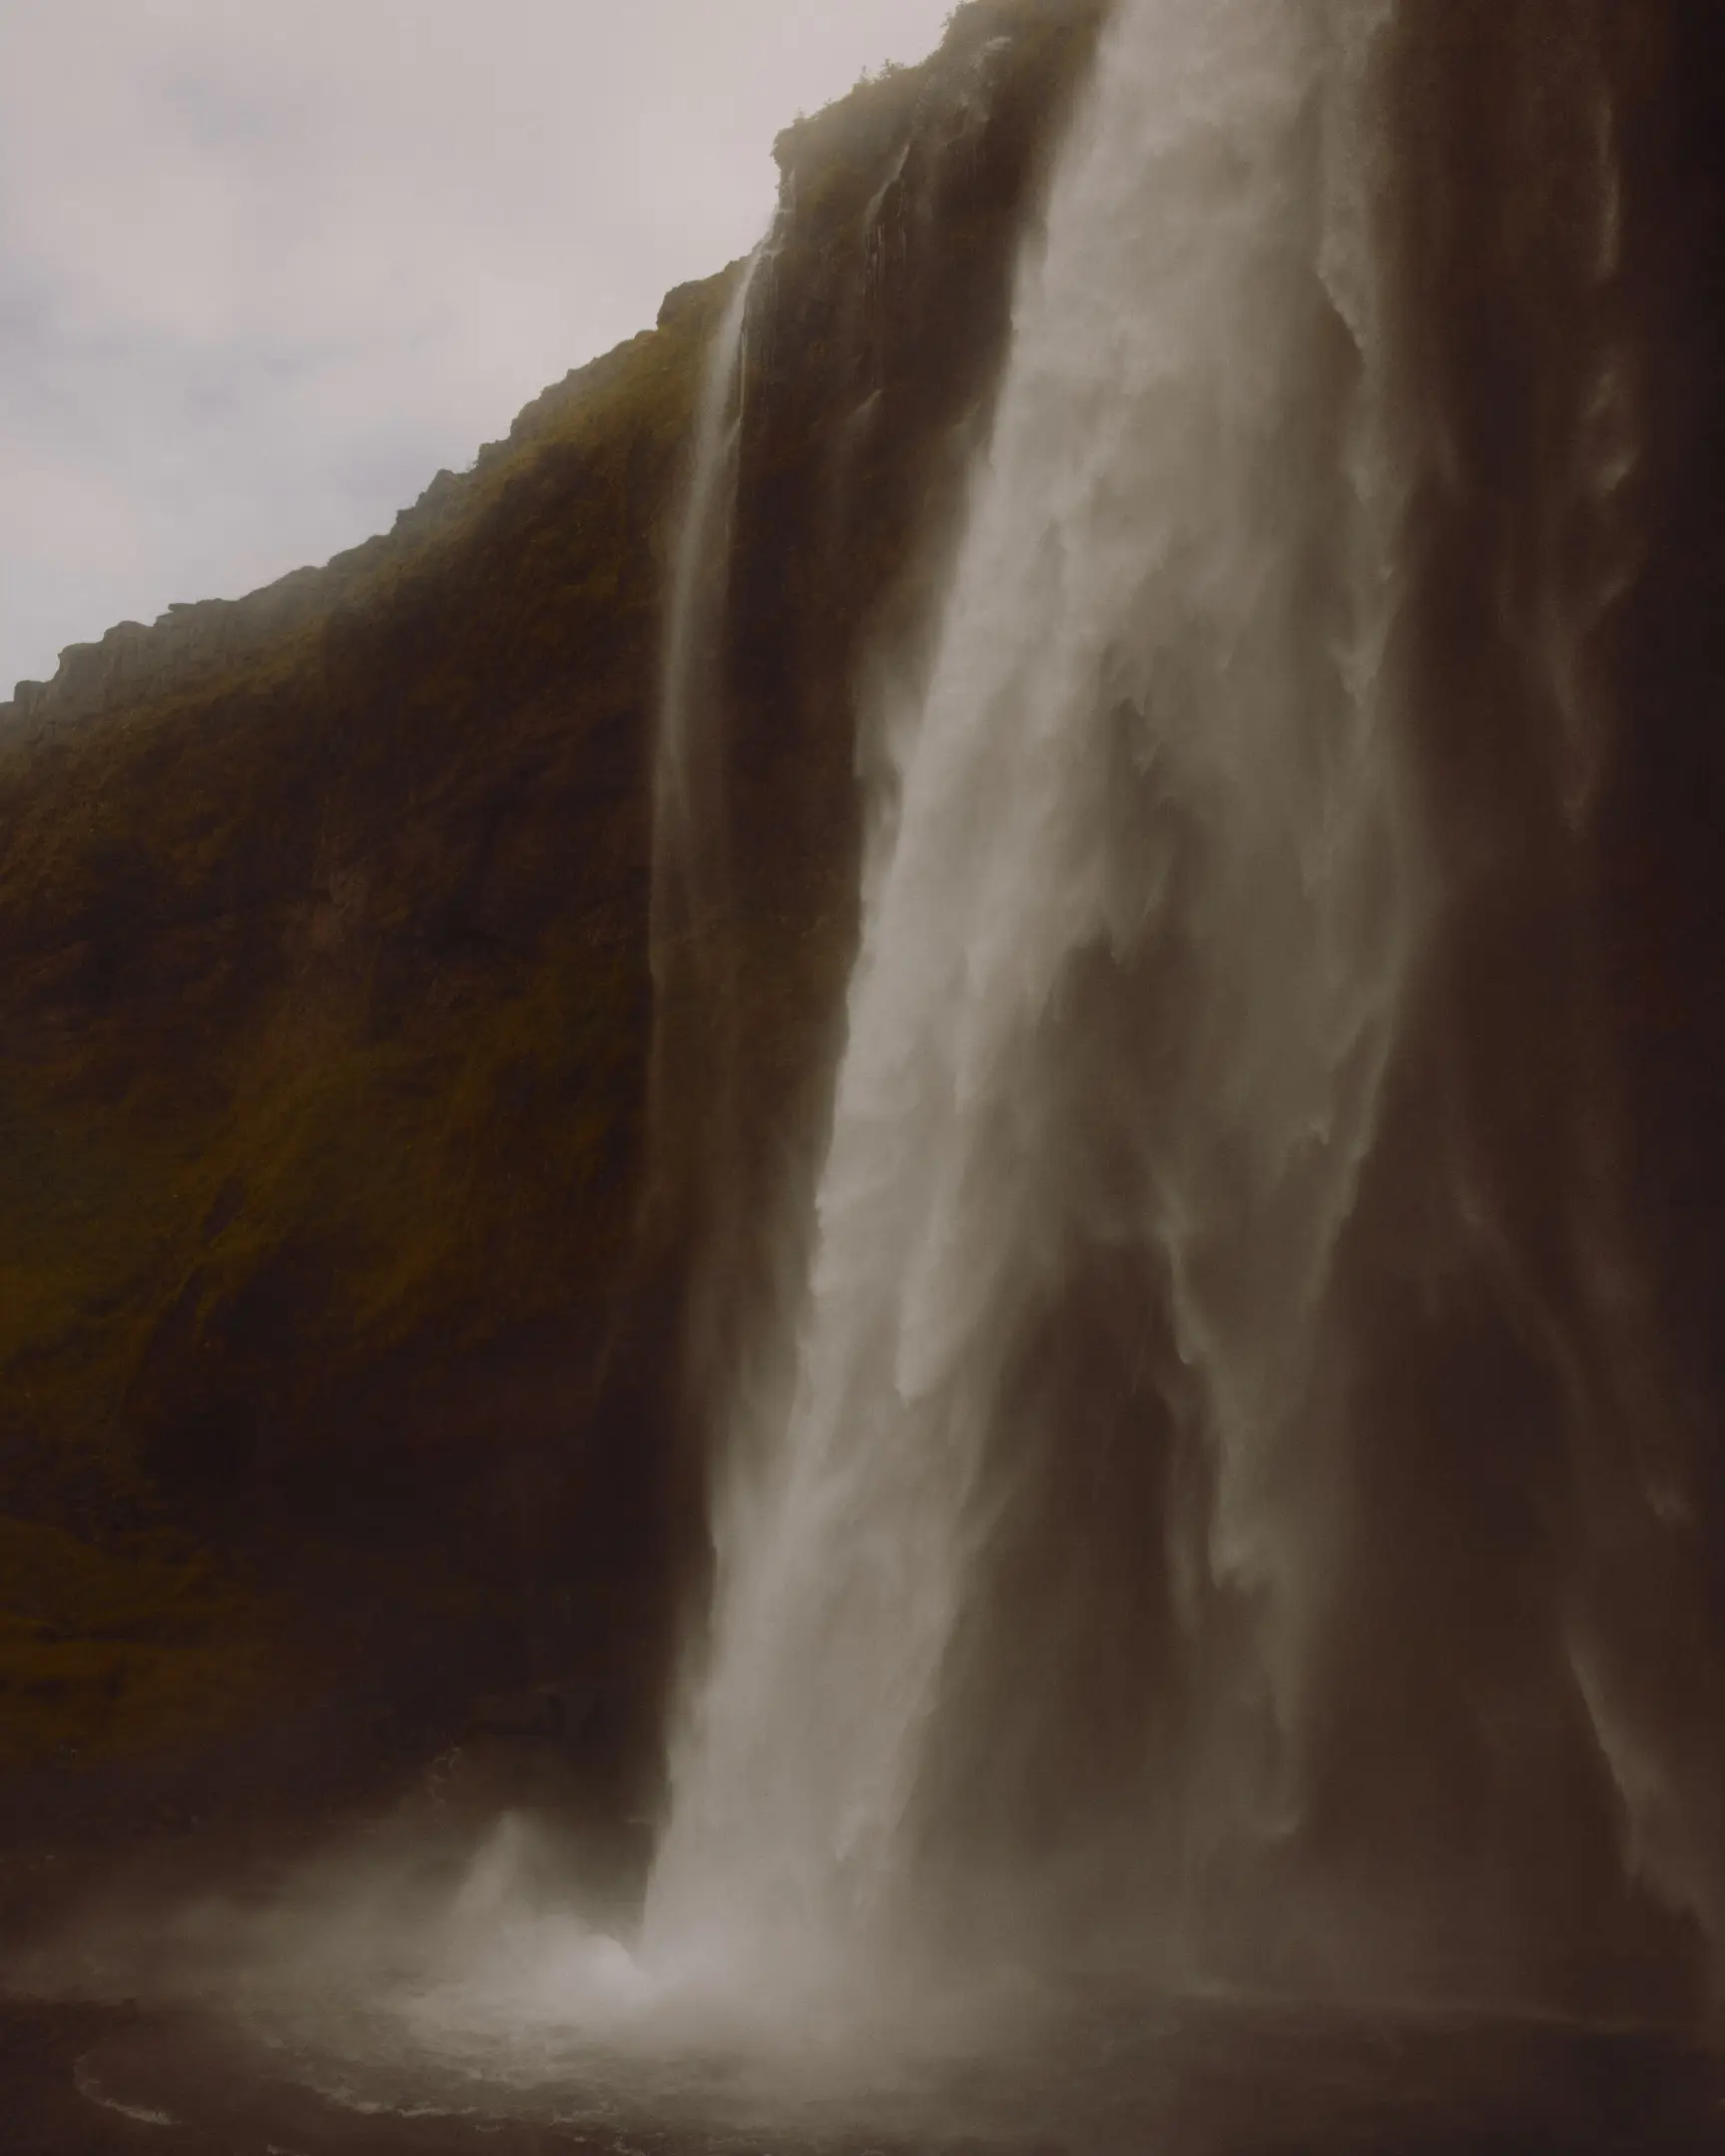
x,y
326,1322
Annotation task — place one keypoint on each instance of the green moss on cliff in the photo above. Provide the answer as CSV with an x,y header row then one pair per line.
x,y
323,971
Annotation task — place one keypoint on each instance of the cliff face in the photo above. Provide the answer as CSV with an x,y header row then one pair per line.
x,y
328,1334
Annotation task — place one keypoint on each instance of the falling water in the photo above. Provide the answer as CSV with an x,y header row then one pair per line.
x,y
1128,980
691,965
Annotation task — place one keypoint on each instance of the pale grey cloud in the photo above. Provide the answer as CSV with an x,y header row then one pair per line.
x,y
263,268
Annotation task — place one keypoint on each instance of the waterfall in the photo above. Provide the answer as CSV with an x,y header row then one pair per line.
x,y
692,970
1143,899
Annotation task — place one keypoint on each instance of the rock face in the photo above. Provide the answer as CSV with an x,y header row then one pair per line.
x,y
332,1329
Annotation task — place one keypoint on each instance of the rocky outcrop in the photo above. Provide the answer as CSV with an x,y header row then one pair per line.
x,y
325,1324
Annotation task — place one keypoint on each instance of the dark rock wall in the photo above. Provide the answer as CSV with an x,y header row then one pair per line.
x,y
1517,1744
323,1000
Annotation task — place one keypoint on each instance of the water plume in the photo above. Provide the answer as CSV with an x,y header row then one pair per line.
x,y
1129,973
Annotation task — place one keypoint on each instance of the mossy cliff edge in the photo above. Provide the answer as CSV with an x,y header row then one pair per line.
x,y
325,1010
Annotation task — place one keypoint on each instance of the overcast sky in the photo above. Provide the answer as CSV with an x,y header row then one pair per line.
x,y
265,265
